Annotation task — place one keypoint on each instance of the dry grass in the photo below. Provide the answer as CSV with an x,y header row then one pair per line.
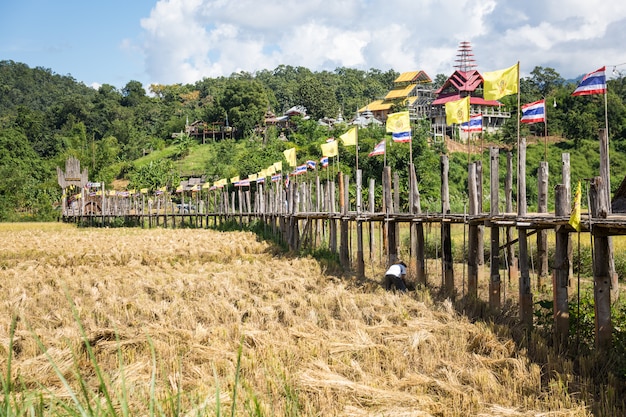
x,y
312,344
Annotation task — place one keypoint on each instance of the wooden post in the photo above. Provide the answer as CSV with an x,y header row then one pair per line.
x,y
561,268
387,205
601,266
566,181
360,262
605,174
525,294
392,239
494,278
342,201
372,205
344,256
417,231
542,235
446,238
472,258
481,227
510,250
359,185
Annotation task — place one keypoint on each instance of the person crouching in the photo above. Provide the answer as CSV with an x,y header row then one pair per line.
x,y
395,275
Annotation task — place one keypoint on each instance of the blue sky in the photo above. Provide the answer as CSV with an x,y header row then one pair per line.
x,y
182,41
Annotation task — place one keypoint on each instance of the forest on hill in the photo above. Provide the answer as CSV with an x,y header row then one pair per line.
x,y
128,134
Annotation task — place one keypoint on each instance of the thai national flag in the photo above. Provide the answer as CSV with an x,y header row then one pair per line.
x,y
324,161
311,164
379,149
277,177
300,169
592,83
260,180
401,136
534,112
475,124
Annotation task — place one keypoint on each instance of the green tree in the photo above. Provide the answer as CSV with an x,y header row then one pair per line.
x,y
245,102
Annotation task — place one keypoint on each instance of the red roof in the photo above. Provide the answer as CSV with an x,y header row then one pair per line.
x,y
479,101
462,81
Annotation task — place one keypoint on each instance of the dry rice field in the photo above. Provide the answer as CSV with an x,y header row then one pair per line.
x,y
146,322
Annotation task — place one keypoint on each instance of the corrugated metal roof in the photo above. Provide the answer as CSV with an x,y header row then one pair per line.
x,y
376,105
400,92
413,76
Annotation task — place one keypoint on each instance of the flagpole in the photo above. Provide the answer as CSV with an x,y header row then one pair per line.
x,y
385,151
606,125
545,133
518,138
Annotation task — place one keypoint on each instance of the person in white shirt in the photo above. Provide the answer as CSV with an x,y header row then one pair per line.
x,y
395,275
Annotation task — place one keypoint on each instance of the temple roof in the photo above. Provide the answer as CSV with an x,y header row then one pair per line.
x,y
413,77
462,81
479,101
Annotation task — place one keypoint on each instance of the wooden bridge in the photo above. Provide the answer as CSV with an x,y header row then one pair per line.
x,y
306,214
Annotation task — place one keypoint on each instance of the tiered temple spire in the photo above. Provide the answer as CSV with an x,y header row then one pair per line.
x,y
465,58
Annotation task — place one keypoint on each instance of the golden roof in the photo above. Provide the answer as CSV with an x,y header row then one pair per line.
x,y
376,105
400,92
413,76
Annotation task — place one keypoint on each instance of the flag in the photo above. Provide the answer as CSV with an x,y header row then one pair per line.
x,y
278,165
234,179
270,170
243,183
592,83
252,177
290,156
534,112
324,161
574,219
379,149
475,124
277,177
300,169
457,111
311,164
330,148
398,122
401,136
497,84
260,180
349,138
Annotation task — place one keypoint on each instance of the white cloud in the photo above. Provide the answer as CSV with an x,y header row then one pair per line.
x,y
186,40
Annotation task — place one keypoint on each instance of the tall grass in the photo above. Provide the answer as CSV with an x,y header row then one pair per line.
x,y
192,322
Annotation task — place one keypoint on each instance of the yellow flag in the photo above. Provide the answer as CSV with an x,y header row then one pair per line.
x,y
497,84
349,138
278,166
252,177
574,219
144,191
398,122
330,149
234,179
458,111
290,156
270,170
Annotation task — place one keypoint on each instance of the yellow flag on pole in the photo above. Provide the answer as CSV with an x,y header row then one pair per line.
x,y
398,122
458,111
349,138
330,149
574,219
497,84
278,166
234,179
290,156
